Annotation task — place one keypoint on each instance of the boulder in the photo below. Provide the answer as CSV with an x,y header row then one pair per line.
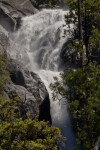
x,y
30,89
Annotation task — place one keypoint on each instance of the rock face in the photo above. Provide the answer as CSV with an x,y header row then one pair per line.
x,y
24,84
12,10
4,40
30,89
2,51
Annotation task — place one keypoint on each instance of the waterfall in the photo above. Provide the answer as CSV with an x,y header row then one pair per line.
x,y
37,44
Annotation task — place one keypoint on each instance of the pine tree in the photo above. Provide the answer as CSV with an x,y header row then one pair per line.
x,y
81,87
83,95
88,14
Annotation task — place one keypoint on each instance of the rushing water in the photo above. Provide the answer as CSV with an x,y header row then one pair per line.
x,y
37,44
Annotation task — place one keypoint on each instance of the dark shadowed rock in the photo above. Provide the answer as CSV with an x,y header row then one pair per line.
x,y
45,110
70,58
30,89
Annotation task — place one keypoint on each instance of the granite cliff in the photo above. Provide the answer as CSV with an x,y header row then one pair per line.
x,y
23,83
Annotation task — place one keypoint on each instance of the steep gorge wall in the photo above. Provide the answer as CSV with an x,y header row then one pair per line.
x,y
24,84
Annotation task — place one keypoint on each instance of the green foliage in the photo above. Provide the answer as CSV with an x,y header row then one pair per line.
x,y
3,72
95,40
83,93
90,16
81,87
18,134
76,46
8,109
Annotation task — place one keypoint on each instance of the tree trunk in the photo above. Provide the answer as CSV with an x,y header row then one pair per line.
x,y
80,32
79,20
87,35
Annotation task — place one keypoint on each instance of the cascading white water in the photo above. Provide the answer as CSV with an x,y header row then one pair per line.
x,y
37,44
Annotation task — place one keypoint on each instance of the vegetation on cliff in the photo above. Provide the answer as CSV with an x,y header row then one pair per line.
x,y
83,95
81,88
19,134
3,73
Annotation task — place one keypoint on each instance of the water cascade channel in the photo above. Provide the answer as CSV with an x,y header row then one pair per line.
x,y
37,44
